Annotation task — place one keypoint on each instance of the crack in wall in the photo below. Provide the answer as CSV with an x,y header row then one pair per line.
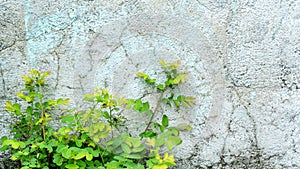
x,y
3,81
257,153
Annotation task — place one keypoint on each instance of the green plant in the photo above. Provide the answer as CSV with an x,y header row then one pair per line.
x,y
91,138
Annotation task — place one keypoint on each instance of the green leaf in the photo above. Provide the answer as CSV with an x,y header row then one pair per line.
x,y
15,145
144,108
81,163
173,141
66,153
148,134
3,138
106,115
72,166
95,153
161,128
138,105
60,101
177,103
89,157
160,142
29,110
190,100
138,149
68,119
169,82
61,147
78,143
180,78
143,75
133,156
184,126
9,106
80,155
22,144
150,81
165,121
17,108
160,87
57,159
126,148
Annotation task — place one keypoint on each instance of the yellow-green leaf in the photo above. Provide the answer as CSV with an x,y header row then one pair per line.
x,y
9,106
72,166
80,155
89,157
14,158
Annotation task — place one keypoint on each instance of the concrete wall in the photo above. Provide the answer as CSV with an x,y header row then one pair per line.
x,y
243,57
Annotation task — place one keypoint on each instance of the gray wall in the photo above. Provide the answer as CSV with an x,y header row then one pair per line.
x,y
243,57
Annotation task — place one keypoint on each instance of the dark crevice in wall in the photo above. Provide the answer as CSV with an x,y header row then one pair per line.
x,y
3,82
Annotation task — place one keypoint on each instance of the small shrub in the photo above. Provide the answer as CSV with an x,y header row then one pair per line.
x,y
91,138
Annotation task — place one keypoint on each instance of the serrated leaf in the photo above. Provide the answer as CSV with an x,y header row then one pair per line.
x,y
190,100
165,121
180,78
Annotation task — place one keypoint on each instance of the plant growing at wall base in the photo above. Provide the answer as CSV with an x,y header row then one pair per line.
x,y
91,138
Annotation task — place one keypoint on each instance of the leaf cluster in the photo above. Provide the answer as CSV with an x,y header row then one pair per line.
x,y
91,138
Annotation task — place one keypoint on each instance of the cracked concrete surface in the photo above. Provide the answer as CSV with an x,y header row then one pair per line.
x,y
243,58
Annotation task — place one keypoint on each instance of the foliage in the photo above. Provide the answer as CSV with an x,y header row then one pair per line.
x,y
91,138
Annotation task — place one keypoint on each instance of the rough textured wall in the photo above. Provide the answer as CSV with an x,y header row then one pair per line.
x,y
243,57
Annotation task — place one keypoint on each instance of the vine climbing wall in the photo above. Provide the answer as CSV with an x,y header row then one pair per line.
x,y
243,57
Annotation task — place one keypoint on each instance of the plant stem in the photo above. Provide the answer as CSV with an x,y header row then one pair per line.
x,y
102,160
111,120
43,114
155,110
